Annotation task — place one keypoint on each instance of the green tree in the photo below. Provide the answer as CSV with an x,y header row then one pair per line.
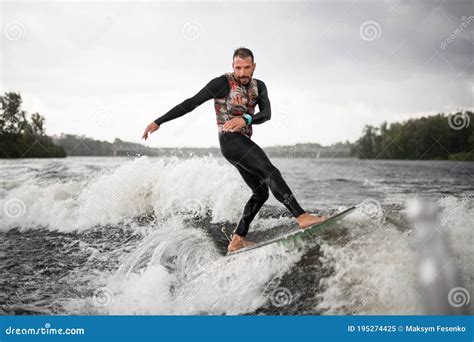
x,y
433,137
12,118
37,124
20,138
366,146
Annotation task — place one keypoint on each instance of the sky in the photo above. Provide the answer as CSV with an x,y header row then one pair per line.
x,y
106,69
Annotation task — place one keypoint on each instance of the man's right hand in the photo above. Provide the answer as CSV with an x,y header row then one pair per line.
x,y
150,129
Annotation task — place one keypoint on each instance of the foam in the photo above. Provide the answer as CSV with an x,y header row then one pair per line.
x,y
377,273
136,187
198,281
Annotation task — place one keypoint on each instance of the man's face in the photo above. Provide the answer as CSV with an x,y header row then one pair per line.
x,y
243,69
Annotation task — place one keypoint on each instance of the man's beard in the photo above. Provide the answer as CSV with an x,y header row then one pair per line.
x,y
245,80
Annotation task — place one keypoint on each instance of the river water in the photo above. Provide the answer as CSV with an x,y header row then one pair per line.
x,y
86,235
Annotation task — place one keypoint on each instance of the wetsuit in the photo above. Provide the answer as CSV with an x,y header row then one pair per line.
x,y
232,99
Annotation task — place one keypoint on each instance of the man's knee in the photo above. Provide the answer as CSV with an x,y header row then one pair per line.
x,y
270,171
261,193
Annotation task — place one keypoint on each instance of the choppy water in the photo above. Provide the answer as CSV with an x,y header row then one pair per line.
x,y
143,236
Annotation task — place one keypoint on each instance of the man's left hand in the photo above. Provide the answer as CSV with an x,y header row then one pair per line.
x,y
234,125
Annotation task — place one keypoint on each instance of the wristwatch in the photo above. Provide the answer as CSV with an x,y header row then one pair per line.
x,y
248,119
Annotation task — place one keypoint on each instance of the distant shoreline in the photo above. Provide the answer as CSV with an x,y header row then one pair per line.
x,y
436,137
83,146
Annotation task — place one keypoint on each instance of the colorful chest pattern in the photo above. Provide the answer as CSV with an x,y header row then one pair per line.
x,y
240,100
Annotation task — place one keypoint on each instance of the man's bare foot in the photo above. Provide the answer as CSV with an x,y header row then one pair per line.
x,y
238,242
248,243
306,220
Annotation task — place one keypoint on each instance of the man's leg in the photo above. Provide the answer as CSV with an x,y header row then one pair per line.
x,y
256,201
240,150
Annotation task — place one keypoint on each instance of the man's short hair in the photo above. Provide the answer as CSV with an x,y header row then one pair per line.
x,y
243,53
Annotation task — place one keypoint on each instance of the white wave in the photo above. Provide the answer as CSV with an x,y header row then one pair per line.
x,y
457,219
178,270
376,272
373,274
167,186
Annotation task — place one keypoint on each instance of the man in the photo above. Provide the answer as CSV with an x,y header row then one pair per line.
x,y
235,98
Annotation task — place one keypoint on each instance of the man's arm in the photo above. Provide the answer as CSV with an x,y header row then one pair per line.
x,y
216,88
265,112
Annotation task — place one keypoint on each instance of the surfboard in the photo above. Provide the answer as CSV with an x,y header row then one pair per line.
x,y
298,235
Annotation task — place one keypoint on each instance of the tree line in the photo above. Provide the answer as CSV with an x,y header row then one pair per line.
x,y
435,137
23,137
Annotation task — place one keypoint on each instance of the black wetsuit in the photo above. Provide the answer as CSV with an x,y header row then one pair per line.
x,y
249,159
